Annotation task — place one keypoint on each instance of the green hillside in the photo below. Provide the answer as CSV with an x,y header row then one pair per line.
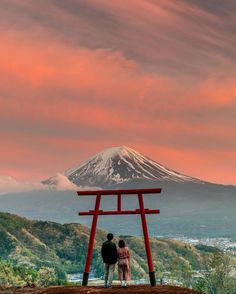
x,y
39,243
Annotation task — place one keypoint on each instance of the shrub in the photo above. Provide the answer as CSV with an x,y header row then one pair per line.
x,y
46,277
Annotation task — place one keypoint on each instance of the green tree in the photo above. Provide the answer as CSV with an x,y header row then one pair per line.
x,y
220,277
181,271
8,278
46,277
26,274
201,285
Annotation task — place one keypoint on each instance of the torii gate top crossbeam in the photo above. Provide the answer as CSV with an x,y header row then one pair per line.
x,y
119,192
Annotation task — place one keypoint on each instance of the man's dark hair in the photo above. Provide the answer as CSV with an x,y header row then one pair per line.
x,y
109,236
121,244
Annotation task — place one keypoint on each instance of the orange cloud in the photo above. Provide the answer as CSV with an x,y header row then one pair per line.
x,y
55,97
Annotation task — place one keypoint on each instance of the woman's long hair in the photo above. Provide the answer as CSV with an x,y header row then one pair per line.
x,y
121,244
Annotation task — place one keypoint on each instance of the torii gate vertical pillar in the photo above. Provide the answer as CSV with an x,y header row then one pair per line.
x,y
146,241
91,241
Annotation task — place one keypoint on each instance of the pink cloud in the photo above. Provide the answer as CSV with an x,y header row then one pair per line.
x,y
51,92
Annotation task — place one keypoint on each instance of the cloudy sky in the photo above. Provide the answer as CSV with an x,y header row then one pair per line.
x,y
79,76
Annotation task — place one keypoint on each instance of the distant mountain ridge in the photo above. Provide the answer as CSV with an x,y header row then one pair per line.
x,y
121,165
188,206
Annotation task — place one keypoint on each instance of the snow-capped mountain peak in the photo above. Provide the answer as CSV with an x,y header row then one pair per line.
x,y
119,165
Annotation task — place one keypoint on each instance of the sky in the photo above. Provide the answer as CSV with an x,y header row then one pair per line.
x,y
80,76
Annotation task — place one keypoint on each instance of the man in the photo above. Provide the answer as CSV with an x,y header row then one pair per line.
x,y
109,255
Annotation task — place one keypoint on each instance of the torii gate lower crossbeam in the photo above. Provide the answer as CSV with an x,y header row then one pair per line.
x,y
96,212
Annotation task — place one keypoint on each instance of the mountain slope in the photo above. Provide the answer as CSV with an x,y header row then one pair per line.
x,y
119,165
37,243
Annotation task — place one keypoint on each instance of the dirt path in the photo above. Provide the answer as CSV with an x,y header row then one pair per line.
x,y
93,290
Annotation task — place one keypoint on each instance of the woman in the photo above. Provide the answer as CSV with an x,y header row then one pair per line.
x,y
123,263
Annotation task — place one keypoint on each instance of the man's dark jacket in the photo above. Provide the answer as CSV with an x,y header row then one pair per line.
x,y
109,252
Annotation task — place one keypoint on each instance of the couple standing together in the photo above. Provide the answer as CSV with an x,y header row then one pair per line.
x,y
111,255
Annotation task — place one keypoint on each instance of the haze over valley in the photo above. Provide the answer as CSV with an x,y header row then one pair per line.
x,y
189,206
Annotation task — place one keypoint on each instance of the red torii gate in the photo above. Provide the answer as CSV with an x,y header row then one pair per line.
x,y
142,211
